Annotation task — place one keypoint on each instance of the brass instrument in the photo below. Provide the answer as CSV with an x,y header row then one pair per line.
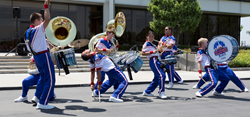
x,y
61,31
117,25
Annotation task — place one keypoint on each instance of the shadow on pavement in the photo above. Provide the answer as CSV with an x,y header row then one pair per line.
x,y
232,90
72,107
178,98
65,101
230,98
181,89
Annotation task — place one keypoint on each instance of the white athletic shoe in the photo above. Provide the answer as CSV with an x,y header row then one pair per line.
x,y
21,99
54,95
198,94
146,94
196,87
95,95
113,99
217,93
35,99
170,85
40,106
162,95
245,90
180,82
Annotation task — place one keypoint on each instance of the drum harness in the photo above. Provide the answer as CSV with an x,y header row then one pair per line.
x,y
213,64
61,58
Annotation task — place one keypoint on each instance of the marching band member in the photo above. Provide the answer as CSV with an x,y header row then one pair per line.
x,y
150,50
105,45
30,81
103,63
168,41
204,60
36,44
176,75
228,72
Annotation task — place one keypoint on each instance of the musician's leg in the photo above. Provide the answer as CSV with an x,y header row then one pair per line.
x,y
214,80
47,71
177,76
106,85
117,74
201,82
28,82
224,79
234,78
170,75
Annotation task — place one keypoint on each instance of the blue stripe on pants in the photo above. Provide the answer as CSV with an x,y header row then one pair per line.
x,y
47,72
115,75
159,76
213,75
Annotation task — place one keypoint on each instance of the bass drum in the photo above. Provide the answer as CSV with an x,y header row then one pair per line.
x,y
223,48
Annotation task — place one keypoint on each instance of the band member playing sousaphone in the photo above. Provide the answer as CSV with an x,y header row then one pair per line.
x,y
150,50
105,45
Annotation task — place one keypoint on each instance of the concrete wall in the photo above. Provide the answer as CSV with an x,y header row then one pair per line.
x,y
188,62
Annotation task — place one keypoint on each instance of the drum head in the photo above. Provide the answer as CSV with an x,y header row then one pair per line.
x,y
220,48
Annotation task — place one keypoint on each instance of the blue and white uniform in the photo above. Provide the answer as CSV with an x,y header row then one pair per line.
x,y
103,63
105,44
31,81
170,40
159,74
176,75
212,74
228,73
43,61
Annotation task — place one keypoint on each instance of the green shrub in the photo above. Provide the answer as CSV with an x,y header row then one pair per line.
x,y
242,59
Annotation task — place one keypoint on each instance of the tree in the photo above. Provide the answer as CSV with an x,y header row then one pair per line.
x,y
241,27
248,32
183,15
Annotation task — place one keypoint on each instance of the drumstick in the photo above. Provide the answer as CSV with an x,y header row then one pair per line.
x,y
99,97
93,96
204,81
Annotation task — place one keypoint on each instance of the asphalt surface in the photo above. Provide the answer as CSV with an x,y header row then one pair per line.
x,y
181,102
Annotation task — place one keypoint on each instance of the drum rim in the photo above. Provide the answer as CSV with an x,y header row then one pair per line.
x,y
232,51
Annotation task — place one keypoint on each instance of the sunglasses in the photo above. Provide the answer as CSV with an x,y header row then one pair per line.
x,y
166,29
110,32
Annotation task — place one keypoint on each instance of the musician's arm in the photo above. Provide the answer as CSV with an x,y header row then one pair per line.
x,y
92,76
170,46
199,69
46,15
148,53
99,79
102,50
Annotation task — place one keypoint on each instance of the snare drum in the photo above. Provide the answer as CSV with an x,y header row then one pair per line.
x,y
135,62
68,55
223,48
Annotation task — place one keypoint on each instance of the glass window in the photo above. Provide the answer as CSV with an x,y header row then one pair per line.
x,y
6,26
224,25
139,26
212,26
234,27
59,10
203,29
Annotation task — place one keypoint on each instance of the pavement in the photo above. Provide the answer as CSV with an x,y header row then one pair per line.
x,y
79,79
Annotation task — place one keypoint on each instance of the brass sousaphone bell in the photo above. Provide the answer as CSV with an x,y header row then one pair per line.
x,y
61,31
117,25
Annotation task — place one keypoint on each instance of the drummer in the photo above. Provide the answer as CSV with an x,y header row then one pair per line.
x,y
150,50
100,63
105,45
204,60
228,72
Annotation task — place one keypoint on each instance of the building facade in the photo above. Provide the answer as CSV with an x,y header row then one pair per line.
x,y
90,17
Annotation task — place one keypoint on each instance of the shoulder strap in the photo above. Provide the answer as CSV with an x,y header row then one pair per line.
x,y
28,41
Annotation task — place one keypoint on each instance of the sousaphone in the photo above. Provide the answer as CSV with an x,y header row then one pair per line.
x,y
117,25
61,31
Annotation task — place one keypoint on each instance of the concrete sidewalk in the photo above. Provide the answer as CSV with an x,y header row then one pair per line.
x,y
14,81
